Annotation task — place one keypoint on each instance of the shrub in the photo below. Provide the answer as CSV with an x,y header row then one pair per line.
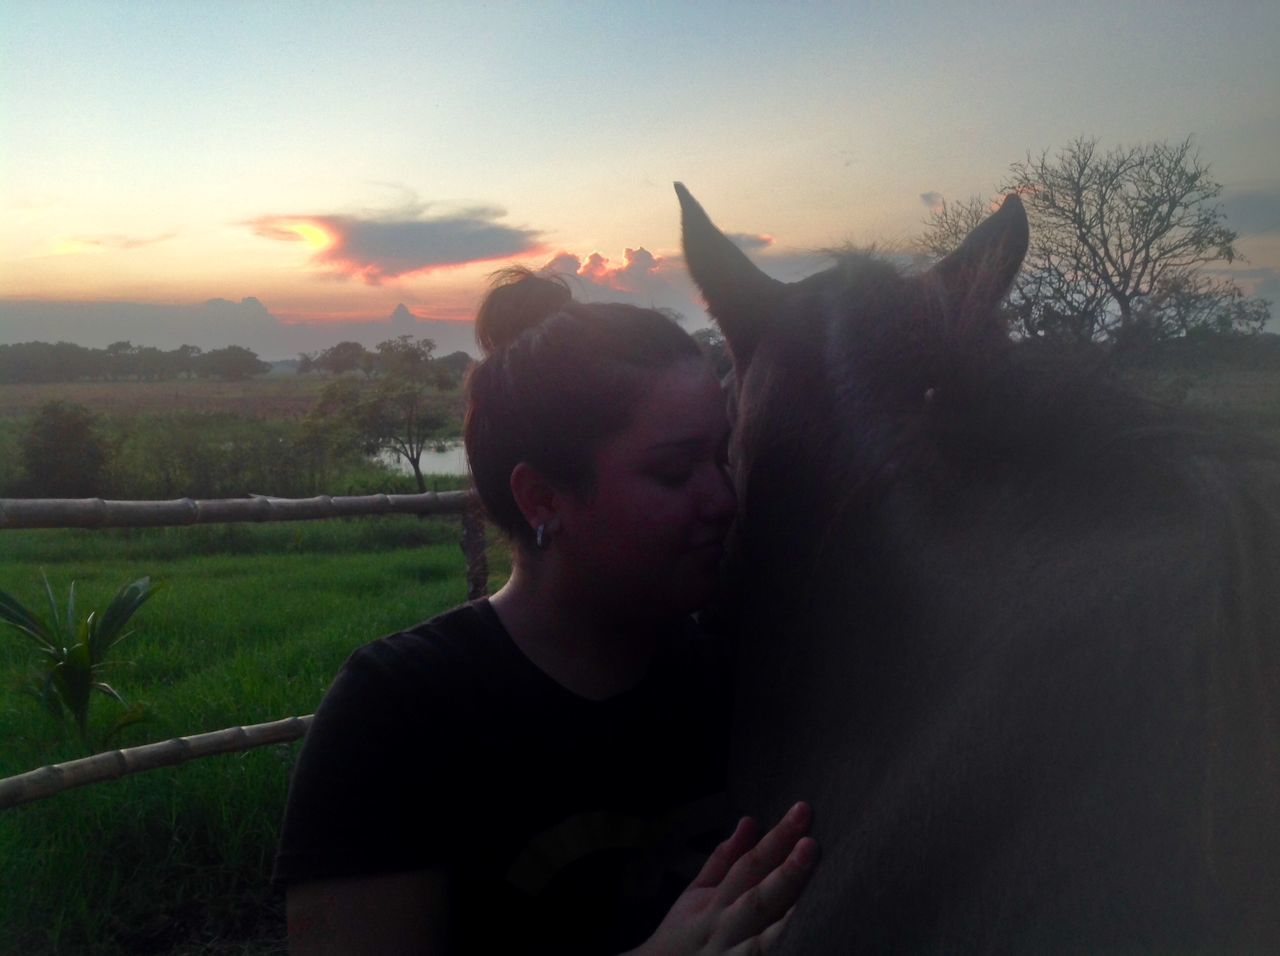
x,y
73,652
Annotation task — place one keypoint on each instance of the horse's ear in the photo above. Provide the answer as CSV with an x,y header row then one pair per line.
x,y
978,274
740,296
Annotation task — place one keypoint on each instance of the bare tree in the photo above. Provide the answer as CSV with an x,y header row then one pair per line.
x,y
1119,242
950,222
1129,225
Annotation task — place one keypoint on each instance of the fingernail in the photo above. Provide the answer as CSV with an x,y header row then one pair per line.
x,y
799,813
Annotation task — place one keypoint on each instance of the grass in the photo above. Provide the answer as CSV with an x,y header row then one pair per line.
x,y
253,623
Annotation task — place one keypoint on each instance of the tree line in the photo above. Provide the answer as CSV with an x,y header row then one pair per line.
x,y
400,355
406,401
41,362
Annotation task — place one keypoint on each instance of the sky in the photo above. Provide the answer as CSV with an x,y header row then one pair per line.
x,y
284,175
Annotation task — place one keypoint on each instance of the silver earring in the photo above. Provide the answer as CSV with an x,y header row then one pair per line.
x,y
540,537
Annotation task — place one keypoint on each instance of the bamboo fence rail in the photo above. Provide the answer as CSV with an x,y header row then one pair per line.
x,y
47,781
97,513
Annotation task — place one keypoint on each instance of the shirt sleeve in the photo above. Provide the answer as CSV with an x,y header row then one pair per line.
x,y
374,782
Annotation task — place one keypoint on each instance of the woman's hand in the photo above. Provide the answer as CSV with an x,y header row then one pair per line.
x,y
739,902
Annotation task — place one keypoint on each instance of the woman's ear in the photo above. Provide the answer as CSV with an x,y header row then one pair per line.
x,y
535,496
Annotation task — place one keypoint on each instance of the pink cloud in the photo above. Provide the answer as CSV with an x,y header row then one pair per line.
x,y
638,266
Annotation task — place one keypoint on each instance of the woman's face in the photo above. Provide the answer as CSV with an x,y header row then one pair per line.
x,y
647,539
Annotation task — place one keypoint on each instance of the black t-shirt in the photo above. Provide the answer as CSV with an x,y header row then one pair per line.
x,y
567,825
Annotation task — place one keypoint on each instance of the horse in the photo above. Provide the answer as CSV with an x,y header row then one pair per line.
x,y
1012,630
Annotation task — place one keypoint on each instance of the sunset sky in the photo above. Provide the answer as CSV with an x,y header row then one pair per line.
x,y
328,161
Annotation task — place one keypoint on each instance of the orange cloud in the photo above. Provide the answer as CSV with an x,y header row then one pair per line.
x,y
314,232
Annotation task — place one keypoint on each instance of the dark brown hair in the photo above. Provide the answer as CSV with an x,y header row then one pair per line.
x,y
557,379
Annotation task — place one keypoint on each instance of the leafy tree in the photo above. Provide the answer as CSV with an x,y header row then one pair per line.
x,y
182,361
406,358
319,448
394,412
451,368
341,358
63,454
225,455
150,364
42,362
119,361
233,363
1119,241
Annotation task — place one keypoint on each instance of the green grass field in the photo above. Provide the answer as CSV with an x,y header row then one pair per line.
x,y
252,624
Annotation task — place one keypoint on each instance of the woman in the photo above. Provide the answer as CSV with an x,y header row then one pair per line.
x,y
540,772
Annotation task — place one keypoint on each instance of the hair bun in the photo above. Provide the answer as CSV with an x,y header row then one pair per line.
x,y
518,300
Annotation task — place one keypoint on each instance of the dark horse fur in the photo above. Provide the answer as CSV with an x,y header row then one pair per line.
x,y
1012,631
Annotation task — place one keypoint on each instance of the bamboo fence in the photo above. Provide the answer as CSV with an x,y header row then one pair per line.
x,y
97,513
47,781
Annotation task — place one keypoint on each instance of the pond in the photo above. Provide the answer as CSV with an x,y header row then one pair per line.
x,y
450,460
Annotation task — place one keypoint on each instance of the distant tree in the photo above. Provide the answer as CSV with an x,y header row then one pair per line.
x,y
341,358
120,360
451,369
182,361
306,363
150,364
42,362
63,453
71,363
1119,241
407,358
370,364
232,364
394,412
457,362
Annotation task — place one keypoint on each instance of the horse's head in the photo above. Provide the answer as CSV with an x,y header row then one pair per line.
x,y
966,286
860,311
841,374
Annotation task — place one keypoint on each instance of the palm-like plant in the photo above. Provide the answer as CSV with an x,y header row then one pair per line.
x,y
73,651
